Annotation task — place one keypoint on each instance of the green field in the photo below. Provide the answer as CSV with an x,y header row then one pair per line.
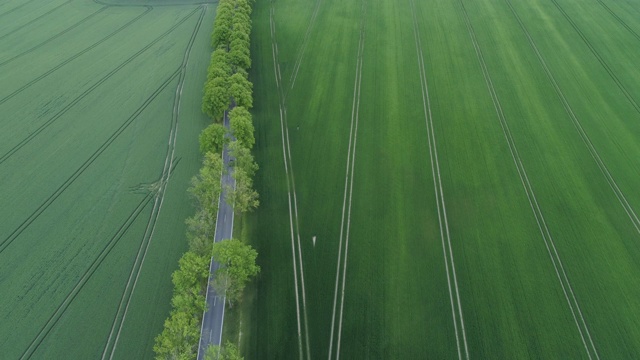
x,y
445,180
100,113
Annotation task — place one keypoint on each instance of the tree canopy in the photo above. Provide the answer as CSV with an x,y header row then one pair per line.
x,y
243,197
241,90
219,65
199,229
181,332
212,139
227,83
237,266
242,126
222,24
227,352
205,187
216,99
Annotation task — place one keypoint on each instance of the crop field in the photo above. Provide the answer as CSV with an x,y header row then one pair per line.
x,y
446,180
100,113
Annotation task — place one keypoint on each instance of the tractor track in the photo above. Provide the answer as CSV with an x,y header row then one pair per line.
x,y
545,232
443,224
300,293
16,8
615,16
598,57
199,3
36,213
77,55
42,127
35,19
345,222
622,199
303,47
153,219
54,37
86,276
53,319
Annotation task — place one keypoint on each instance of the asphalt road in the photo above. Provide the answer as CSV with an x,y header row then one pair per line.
x,y
213,318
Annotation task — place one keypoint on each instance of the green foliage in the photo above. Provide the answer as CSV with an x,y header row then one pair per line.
x,y
222,24
221,34
219,66
239,54
226,79
212,139
242,126
179,338
228,352
181,332
192,273
242,72
205,186
230,38
237,266
231,17
243,160
241,90
216,98
243,197
243,6
237,34
241,43
243,21
200,228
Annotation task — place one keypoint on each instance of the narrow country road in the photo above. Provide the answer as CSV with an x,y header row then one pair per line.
x,y
213,318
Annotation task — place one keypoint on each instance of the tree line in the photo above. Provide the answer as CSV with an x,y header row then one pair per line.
x,y
227,90
227,77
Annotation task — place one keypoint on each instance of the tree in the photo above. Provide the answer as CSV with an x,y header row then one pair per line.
x,y
200,229
243,196
219,65
179,338
228,352
241,90
222,24
239,54
212,139
192,273
242,126
243,160
239,34
216,99
237,266
243,5
240,18
205,186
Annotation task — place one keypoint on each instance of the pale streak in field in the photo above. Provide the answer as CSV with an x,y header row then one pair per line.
x,y
528,189
531,197
585,138
286,151
433,154
349,171
305,40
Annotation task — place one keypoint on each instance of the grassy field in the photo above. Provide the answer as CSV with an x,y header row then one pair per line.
x,y
100,113
446,180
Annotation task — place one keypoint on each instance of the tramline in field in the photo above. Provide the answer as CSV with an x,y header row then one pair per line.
x,y
525,127
100,107
448,180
